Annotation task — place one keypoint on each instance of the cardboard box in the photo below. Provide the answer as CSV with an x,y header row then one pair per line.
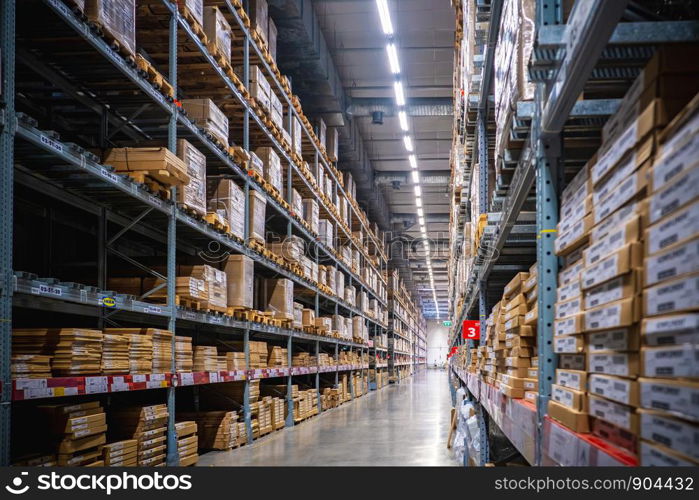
x,y
574,420
619,218
513,287
311,213
257,216
619,339
622,364
570,273
193,194
621,390
674,161
272,167
533,373
678,397
574,238
613,168
280,298
208,116
615,435
679,192
621,287
569,291
512,392
218,30
573,379
517,362
676,261
679,226
570,344
628,231
574,211
568,308
531,385
621,261
571,361
531,396
678,435
673,329
570,398
654,455
670,361
532,317
227,199
632,186
240,281
677,295
570,325
623,312
620,415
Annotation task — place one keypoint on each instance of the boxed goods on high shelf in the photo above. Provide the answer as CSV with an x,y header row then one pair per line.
x,y
117,19
626,296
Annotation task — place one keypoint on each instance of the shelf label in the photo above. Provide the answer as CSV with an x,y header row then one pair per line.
x,y
108,174
51,143
186,379
215,319
50,290
214,377
152,310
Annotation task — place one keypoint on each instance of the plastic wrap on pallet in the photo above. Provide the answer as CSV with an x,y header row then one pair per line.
x,y
330,273
193,194
272,39
339,283
258,213
196,8
259,17
298,315
326,232
296,133
240,273
332,143
256,164
208,116
217,28
117,18
311,213
321,131
258,86
280,298
227,199
276,109
273,167
350,295
296,202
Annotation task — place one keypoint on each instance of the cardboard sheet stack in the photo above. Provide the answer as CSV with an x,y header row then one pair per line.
x,y
115,354
193,194
235,361
140,353
78,352
240,280
121,453
187,442
184,355
216,430
205,358
278,356
227,200
208,116
81,431
148,426
277,413
303,359
216,287
162,349
32,349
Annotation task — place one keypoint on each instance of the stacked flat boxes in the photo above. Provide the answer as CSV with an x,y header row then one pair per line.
x,y
187,442
148,426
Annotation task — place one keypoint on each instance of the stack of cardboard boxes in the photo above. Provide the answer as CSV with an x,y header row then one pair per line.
x,y
625,363
81,430
148,426
216,430
187,442
184,355
205,358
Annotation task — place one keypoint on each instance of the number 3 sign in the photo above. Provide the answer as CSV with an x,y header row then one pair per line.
x,y
471,329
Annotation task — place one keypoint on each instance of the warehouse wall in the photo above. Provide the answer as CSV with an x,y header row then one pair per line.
x,y
437,340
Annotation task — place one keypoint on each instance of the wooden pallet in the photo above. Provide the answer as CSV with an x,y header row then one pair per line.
x,y
187,303
113,41
191,211
153,185
197,28
241,313
217,222
257,246
240,156
154,76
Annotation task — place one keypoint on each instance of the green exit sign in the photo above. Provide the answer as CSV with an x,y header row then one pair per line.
x,y
446,323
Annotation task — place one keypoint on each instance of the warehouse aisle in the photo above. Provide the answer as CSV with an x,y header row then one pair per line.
x,y
402,425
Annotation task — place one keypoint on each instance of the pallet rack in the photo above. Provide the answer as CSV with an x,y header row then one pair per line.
x,y
548,144
405,321
119,100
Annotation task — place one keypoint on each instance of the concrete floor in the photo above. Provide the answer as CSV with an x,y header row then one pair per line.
x,y
401,425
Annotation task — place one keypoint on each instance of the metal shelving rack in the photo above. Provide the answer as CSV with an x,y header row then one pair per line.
x,y
565,59
136,108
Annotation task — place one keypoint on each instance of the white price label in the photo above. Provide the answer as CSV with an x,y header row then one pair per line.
x,y
52,143
50,290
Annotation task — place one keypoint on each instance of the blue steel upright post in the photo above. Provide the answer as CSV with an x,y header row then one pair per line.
x,y
7,42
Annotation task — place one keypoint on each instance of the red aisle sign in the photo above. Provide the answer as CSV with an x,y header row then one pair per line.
x,y
471,329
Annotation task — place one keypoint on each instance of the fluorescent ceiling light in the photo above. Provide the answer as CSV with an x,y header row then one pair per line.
x,y
408,141
416,178
418,202
400,96
393,58
403,119
422,221
418,191
426,244
413,161
420,213
385,16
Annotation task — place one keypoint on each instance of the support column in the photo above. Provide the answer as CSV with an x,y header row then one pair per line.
x,y
289,393
246,395
7,42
